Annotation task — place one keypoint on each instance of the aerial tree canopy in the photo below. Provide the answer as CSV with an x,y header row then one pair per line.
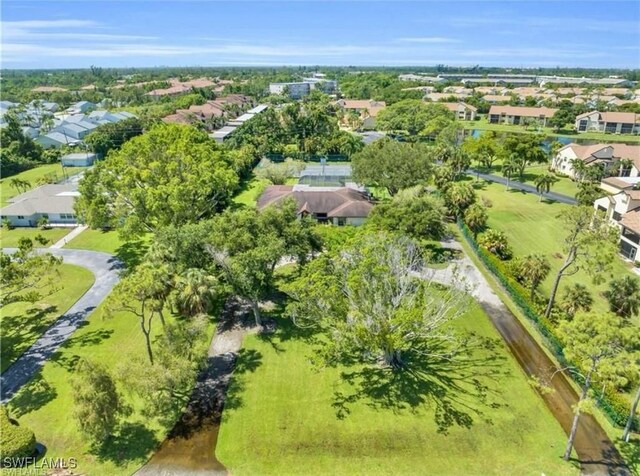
x,y
393,165
171,175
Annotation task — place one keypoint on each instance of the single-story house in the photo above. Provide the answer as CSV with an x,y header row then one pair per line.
x,y
72,130
609,155
81,107
53,201
337,205
462,111
55,139
520,115
78,159
622,208
367,109
613,122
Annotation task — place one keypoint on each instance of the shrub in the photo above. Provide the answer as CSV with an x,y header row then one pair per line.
x,y
41,239
43,222
496,242
6,224
15,441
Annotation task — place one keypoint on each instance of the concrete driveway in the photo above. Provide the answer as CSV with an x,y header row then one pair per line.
x,y
105,268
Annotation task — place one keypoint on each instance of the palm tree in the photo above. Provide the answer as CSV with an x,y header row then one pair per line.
x,y
543,183
19,184
509,168
623,165
534,269
476,218
576,298
196,291
579,169
624,296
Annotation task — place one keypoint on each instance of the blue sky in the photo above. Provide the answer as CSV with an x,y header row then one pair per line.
x,y
59,34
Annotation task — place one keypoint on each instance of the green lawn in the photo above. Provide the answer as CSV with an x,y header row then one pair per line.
x,y
23,323
130,252
97,240
33,176
10,238
45,404
534,227
483,124
281,417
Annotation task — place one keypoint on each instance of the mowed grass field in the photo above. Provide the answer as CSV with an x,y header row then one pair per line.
x,y
282,417
23,323
535,227
10,238
33,176
46,403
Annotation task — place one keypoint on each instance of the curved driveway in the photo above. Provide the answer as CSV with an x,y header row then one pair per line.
x,y
105,268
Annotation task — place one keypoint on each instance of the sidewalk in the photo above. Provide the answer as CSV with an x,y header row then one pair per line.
x,y
67,238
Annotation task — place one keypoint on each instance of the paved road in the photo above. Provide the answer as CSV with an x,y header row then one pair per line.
x,y
105,268
558,197
596,453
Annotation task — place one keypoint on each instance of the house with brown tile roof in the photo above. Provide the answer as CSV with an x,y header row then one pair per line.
x,y
461,110
497,98
520,115
622,208
611,122
337,205
368,109
607,155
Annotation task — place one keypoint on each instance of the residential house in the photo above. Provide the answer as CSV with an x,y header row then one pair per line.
x,y
366,109
52,201
81,107
438,97
79,159
461,110
608,155
337,205
497,98
55,140
490,90
622,208
612,122
520,115
72,130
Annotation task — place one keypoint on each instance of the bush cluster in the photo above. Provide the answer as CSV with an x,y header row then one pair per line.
x,y
15,441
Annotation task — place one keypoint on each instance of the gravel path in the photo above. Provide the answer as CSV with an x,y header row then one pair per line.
x,y
105,268
597,454
189,450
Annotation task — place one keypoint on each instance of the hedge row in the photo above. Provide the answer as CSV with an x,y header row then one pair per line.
x,y
613,405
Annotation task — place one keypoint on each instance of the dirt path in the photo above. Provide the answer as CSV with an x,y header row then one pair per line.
x,y
189,450
596,453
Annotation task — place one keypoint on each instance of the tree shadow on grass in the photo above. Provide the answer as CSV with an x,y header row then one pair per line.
x,y
133,443
247,361
32,396
132,252
631,453
456,387
21,330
